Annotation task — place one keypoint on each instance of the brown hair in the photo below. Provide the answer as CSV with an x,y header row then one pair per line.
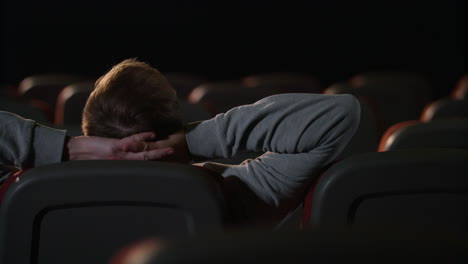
x,y
131,98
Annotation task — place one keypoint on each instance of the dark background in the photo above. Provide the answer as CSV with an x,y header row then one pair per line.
x,y
230,39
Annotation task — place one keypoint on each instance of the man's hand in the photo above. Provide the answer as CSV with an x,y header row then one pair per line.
x,y
91,148
176,142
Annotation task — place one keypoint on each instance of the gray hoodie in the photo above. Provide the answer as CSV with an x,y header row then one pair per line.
x,y
26,144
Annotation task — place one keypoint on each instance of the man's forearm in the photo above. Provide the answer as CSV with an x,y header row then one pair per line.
x,y
287,123
300,133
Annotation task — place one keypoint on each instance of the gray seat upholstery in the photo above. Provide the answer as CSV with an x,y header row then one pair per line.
x,y
84,211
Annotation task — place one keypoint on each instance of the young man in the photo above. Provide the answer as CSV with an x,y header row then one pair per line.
x,y
299,133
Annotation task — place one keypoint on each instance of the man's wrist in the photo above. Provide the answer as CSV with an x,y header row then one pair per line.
x,y
79,148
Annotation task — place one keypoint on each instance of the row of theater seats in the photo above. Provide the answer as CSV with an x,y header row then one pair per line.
x,y
412,91
90,211
414,182
63,95
58,99
386,98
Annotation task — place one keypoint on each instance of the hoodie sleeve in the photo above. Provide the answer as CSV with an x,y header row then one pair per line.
x,y
26,144
299,133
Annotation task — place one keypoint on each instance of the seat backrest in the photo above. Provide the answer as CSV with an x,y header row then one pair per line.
x,y
84,211
412,84
70,103
443,133
46,87
284,82
399,96
219,97
311,246
418,190
445,108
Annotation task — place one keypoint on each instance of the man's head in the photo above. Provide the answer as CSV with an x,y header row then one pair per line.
x,y
131,98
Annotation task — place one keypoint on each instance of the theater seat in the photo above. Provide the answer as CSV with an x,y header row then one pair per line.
x,y
415,86
306,247
219,97
84,211
70,103
397,96
409,190
445,108
284,82
443,133
46,87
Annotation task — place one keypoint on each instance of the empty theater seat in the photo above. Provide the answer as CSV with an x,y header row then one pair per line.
x,y
70,103
449,133
445,108
413,190
396,96
311,246
219,97
284,82
46,87
84,211
412,84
